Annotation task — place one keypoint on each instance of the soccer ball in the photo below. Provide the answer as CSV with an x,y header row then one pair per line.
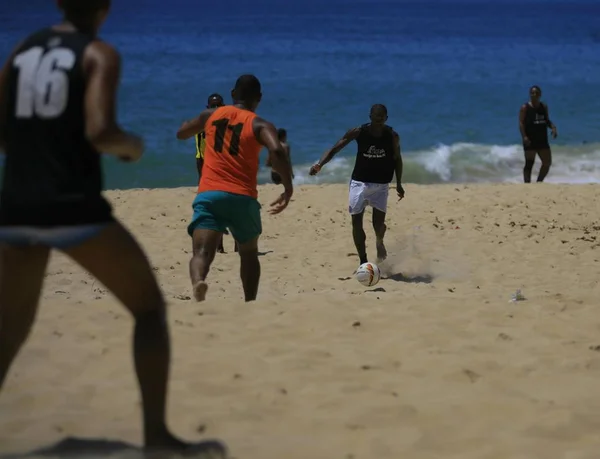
x,y
368,274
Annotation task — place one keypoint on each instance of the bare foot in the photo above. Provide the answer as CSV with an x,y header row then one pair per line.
x,y
202,450
200,289
165,440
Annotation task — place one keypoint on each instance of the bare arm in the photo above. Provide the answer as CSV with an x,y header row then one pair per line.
x,y
286,147
348,137
522,113
194,126
102,65
398,157
288,152
266,134
551,125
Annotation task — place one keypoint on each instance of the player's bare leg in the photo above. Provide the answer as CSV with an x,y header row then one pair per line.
x,y
204,244
116,260
21,279
221,249
380,228
359,236
529,162
546,158
249,268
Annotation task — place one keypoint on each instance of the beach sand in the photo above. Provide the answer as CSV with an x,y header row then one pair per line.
x,y
433,362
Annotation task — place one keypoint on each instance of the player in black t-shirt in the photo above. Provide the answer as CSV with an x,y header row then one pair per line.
x,y
377,160
534,122
57,113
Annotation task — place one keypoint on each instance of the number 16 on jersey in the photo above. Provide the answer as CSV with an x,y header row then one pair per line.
x,y
43,82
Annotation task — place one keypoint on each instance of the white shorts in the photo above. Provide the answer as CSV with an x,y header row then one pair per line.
x,y
58,237
367,194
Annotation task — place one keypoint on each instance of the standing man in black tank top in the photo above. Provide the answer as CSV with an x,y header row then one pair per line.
x,y
377,159
534,122
275,176
57,113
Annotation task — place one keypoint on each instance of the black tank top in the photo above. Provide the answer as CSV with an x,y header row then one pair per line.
x,y
52,174
536,123
375,161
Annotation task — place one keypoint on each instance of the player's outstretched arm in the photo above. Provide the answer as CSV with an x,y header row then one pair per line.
x,y
288,154
102,66
267,136
194,126
399,166
550,124
348,137
522,113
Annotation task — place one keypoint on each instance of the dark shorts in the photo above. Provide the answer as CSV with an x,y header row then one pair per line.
x,y
58,237
219,211
276,178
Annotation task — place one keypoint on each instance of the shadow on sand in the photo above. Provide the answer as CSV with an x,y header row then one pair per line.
x,y
420,279
86,448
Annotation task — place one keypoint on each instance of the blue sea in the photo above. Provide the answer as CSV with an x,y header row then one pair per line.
x,y
453,75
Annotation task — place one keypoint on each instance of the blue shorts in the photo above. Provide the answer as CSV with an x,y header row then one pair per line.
x,y
58,237
219,211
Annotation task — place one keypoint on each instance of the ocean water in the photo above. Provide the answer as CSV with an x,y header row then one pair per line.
x,y
453,75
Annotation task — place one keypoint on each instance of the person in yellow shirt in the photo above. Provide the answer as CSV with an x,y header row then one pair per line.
x,y
282,135
214,101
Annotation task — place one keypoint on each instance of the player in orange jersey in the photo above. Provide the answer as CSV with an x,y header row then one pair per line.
x,y
227,193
